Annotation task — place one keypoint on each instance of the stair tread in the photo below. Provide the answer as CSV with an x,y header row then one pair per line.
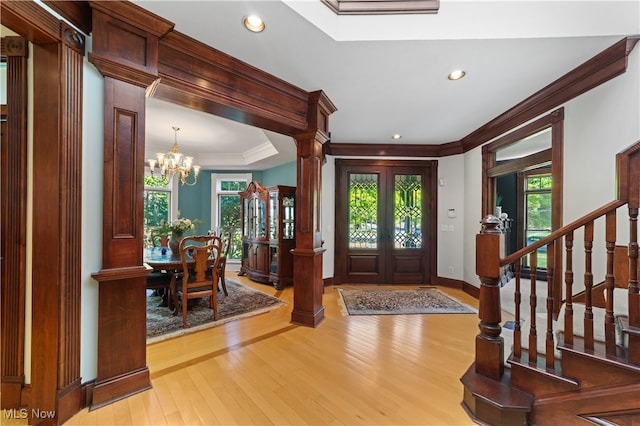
x,y
540,367
497,393
599,353
626,328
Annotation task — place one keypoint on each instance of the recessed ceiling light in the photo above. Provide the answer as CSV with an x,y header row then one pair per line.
x,y
253,23
396,136
456,75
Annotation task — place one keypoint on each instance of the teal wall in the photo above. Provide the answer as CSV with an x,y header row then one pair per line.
x,y
281,175
195,201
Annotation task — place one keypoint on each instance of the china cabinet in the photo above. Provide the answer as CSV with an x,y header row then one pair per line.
x,y
268,236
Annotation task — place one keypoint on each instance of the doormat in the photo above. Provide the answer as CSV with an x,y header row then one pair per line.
x,y
242,302
400,302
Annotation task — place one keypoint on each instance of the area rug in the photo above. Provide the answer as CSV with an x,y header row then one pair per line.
x,y
427,300
242,302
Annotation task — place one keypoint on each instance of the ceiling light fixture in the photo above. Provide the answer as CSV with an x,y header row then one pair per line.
x,y
396,136
253,23
456,75
175,163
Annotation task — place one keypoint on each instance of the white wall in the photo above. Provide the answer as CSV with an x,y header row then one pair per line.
x,y
597,125
473,212
451,178
327,215
92,184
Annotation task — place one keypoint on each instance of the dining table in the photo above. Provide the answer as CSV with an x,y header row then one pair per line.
x,y
163,260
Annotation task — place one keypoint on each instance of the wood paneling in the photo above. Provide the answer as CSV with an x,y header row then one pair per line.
x,y
200,77
76,12
13,191
30,20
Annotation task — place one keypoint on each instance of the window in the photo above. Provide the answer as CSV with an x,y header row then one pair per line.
x,y
226,211
160,203
536,187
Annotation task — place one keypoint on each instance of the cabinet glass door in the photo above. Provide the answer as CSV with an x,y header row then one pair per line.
x,y
288,216
273,216
261,218
250,218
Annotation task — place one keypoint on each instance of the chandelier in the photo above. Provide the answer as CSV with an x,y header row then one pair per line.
x,y
175,163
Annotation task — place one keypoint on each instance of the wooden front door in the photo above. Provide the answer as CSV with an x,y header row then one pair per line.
x,y
385,218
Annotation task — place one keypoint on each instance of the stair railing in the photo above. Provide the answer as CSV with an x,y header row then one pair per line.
x,y
491,266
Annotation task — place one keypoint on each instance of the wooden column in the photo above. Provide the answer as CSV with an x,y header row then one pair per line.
x,y
307,256
489,343
57,207
125,51
58,52
14,213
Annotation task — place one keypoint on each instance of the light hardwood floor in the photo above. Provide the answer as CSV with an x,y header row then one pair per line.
x,y
262,370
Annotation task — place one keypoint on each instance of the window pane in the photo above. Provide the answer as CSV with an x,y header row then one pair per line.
x,y
155,181
539,210
230,221
156,207
538,221
363,210
233,185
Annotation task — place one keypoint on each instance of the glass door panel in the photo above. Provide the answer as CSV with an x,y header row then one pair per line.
x,y
407,211
363,211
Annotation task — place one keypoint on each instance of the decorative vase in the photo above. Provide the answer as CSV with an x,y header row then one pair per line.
x,y
164,241
174,242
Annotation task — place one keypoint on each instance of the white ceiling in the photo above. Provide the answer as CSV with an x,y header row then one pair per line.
x,y
385,74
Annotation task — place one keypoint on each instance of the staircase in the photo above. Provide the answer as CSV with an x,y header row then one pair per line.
x,y
573,356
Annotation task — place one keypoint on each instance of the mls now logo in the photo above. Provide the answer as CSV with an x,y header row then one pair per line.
x,y
15,413
22,413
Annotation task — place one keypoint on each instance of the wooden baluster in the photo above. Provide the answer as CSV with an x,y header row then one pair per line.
x,y
549,344
489,343
609,282
634,291
533,304
588,285
517,344
568,280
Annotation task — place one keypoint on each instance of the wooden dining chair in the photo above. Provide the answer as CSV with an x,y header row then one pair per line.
x,y
160,282
199,278
226,244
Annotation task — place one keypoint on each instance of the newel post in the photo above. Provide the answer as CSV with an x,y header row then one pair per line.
x,y
489,343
